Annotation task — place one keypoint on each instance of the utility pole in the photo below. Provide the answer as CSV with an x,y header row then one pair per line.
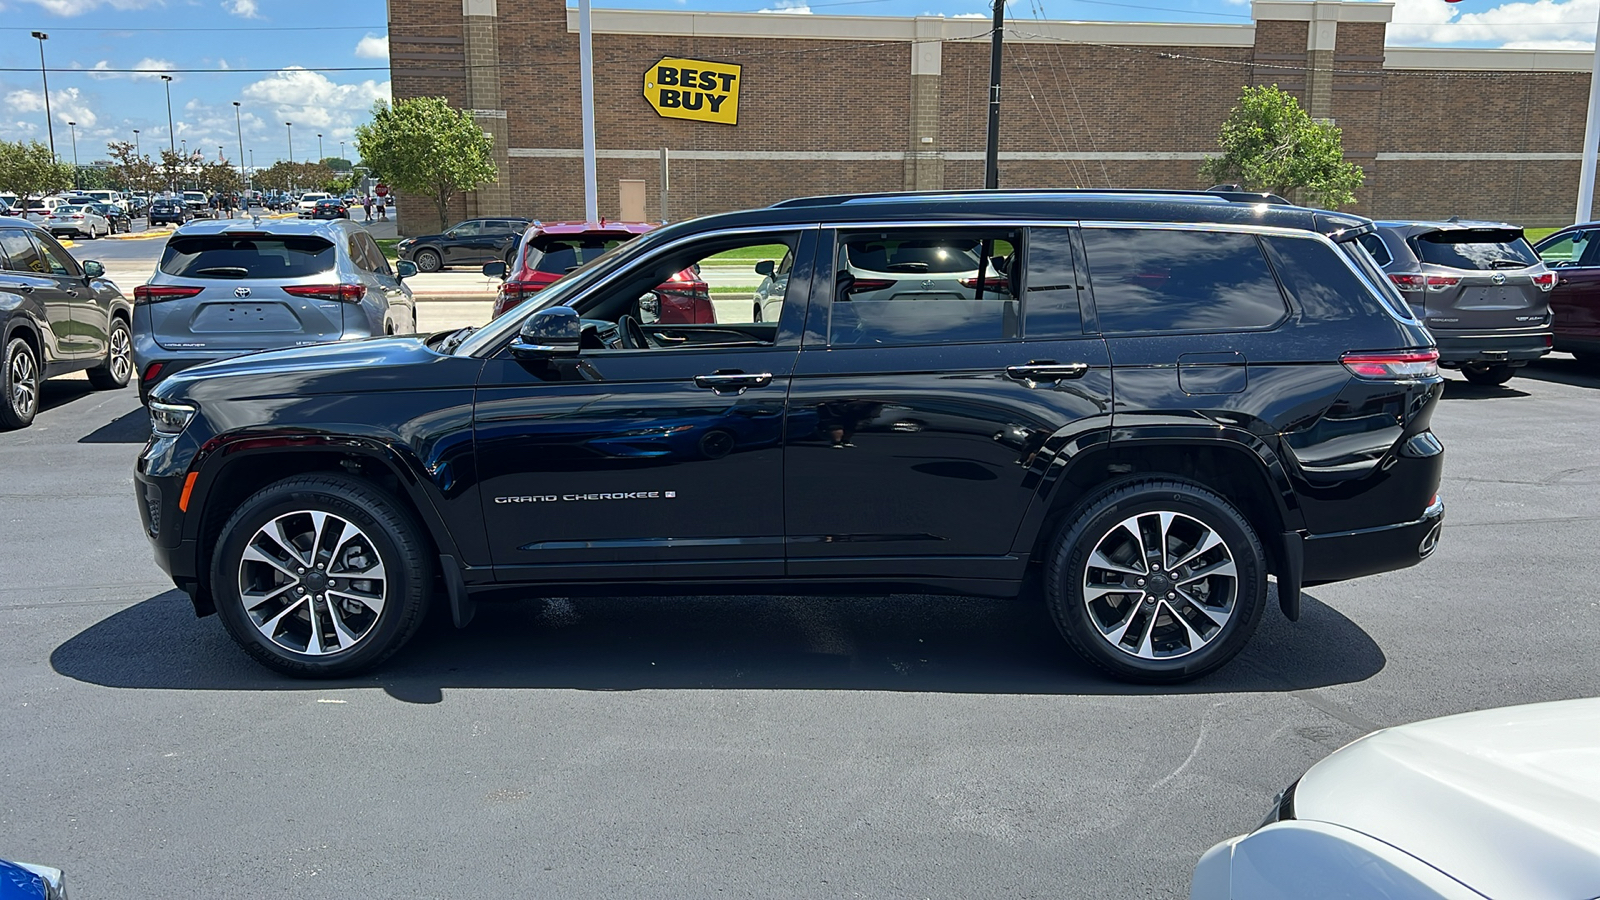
x,y
591,202
48,124
991,156
73,129
1590,139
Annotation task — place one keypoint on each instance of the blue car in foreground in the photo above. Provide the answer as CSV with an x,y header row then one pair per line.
x,y
25,881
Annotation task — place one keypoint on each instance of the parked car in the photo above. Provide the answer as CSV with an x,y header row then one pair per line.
x,y
26,881
39,210
1491,804
233,286
1574,254
108,197
959,444
168,211
116,216
198,205
77,221
307,203
329,208
1478,286
56,316
546,253
473,242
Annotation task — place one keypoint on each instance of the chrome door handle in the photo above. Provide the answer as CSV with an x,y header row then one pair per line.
x,y
732,382
1046,370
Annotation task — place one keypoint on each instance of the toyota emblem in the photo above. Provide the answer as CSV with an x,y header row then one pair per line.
x,y
1498,279
245,292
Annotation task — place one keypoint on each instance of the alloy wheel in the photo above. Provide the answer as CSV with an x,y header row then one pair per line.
x,y
121,355
312,582
1160,585
24,384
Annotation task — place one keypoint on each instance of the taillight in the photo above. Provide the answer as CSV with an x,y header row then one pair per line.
x,y
1408,282
865,285
513,293
1440,282
1393,365
1545,281
155,293
989,284
348,293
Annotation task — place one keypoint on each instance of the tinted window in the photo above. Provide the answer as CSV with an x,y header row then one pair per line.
x,y
1569,251
923,287
1321,283
1051,307
1475,248
233,257
1374,245
558,256
56,258
23,255
374,253
467,229
1179,280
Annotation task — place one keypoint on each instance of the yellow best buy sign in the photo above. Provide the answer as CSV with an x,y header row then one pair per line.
x,y
694,89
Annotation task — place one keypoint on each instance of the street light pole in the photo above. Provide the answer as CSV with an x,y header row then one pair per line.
x,y
72,128
49,125
1590,139
172,135
320,157
136,143
591,203
290,126
238,123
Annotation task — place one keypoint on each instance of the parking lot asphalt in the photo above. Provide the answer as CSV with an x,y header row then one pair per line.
x,y
757,746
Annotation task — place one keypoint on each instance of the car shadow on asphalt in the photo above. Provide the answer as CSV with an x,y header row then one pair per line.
x,y
900,643
1455,389
61,391
129,428
1563,370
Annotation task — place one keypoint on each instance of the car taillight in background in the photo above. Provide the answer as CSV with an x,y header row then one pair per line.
x,y
865,285
513,293
1394,365
1001,285
155,293
1408,282
1440,282
1545,280
348,293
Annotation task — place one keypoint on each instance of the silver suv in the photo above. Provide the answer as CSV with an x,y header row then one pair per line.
x,y
1478,286
234,286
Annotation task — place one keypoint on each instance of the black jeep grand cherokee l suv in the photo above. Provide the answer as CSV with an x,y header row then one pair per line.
x,y
1147,402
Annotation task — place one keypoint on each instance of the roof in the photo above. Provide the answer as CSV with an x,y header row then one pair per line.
x,y
319,227
1023,205
600,227
1507,801
1419,225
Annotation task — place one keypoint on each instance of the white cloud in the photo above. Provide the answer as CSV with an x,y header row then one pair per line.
x,y
790,7
373,46
1545,24
79,7
314,102
66,105
245,9
149,69
972,15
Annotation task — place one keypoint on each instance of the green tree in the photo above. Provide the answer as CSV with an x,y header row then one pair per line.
x,y
130,170
29,170
337,164
175,170
214,177
1270,143
424,146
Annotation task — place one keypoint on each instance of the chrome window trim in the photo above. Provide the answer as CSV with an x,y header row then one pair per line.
x,y
492,341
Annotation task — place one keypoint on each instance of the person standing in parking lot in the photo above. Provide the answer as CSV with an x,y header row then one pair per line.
x,y
366,207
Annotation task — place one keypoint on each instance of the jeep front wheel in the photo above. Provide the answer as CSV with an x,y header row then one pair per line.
x,y
1157,581
321,576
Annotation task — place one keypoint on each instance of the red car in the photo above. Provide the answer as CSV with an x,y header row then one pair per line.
x,y
1574,254
549,251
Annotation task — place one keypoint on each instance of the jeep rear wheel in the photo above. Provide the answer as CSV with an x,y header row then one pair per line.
x,y
321,576
1157,581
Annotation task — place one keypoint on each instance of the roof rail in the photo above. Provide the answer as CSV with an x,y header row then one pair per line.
x,y
1224,195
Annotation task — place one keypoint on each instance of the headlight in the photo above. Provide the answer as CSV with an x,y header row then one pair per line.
x,y
170,418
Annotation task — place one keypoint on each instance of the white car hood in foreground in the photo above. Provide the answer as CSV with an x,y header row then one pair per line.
x,y
1506,800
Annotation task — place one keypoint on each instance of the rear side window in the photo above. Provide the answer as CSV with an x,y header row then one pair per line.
x,y
1374,245
1475,248
1570,250
1150,280
24,256
1321,283
1051,305
558,256
928,286
219,256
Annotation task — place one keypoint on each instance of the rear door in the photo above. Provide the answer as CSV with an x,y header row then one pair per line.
x,y
250,291
919,423
1575,301
1480,279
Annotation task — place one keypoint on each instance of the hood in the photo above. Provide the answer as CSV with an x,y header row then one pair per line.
x,y
1507,801
335,368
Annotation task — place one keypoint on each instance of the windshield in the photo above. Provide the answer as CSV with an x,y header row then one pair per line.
x,y
216,256
1476,248
562,291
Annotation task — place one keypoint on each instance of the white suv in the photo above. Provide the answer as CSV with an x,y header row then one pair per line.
x,y
308,203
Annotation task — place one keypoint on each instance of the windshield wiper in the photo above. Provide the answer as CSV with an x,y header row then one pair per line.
x,y
230,271
1508,264
457,338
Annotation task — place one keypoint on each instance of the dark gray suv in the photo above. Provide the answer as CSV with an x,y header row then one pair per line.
x,y
1478,286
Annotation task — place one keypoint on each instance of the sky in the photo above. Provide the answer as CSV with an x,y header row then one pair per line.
x,y
321,64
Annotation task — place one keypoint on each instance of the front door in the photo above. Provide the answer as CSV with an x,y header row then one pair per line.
x,y
657,453
1575,300
90,311
27,273
931,395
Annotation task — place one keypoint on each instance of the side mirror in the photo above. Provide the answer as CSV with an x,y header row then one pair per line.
x,y
766,267
551,333
495,270
404,269
650,308
93,269
450,235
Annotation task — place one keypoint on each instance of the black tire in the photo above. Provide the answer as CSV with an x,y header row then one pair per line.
x,y
119,359
385,528
756,315
1488,375
427,260
20,364
1082,623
